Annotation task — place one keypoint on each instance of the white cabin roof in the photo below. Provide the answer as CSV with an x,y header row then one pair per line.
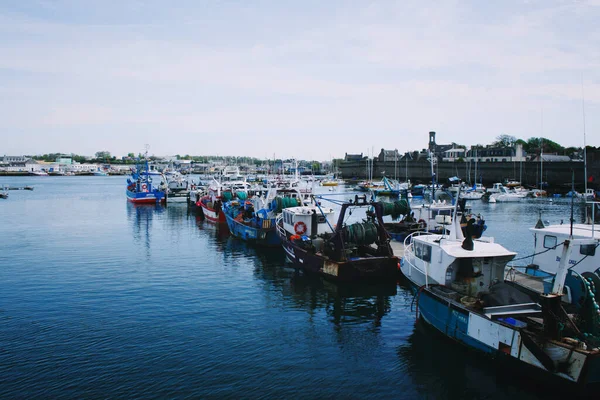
x,y
453,247
579,231
302,210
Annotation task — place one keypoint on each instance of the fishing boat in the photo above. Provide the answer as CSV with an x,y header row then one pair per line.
x,y
211,204
426,217
178,188
140,187
253,218
549,241
356,252
212,199
461,292
392,188
4,193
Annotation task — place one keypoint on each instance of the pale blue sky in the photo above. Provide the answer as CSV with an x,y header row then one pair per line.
x,y
306,79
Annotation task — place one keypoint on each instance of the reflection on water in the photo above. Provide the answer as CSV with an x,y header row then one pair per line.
x,y
140,217
345,303
442,368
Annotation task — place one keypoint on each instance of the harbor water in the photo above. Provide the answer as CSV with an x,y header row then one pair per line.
x,y
103,299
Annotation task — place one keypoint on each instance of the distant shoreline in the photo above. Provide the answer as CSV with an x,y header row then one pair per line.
x,y
22,173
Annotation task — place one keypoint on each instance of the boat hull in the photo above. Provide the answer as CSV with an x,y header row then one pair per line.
x,y
145,197
506,341
259,236
359,269
212,215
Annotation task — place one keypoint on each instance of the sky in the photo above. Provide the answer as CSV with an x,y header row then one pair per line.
x,y
305,79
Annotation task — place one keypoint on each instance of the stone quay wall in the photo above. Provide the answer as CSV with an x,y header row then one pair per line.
x,y
558,175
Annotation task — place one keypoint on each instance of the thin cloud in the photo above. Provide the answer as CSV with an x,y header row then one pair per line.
x,y
333,78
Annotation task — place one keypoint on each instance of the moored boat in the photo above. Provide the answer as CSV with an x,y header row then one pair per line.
x,y
431,217
178,188
461,292
211,204
549,241
253,218
356,252
141,189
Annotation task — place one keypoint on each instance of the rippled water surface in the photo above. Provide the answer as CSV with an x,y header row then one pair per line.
x,y
101,299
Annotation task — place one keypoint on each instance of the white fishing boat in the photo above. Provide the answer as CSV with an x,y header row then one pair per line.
x,y
549,241
461,292
177,188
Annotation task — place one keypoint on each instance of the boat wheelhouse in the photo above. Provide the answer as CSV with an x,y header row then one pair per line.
x,y
549,241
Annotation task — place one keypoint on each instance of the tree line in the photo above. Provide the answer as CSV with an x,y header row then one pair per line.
x,y
535,145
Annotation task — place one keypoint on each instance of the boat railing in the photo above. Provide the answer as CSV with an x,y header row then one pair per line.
x,y
409,250
279,225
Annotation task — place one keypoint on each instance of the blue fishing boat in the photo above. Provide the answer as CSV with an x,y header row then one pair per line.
x,y
246,224
140,187
254,218
461,291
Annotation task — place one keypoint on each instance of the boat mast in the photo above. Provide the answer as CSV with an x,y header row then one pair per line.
x,y
406,168
476,167
396,165
367,166
542,154
432,176
584,144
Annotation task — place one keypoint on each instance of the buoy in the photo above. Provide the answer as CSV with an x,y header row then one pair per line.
x,y
300,228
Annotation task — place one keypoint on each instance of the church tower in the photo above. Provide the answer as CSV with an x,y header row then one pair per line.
x,y
432,145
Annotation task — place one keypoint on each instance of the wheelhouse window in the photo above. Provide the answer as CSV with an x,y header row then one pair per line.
x,y
549,241
423,251
588,249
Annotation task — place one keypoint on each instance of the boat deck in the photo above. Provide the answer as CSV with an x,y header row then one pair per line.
x,y
398,248
530,282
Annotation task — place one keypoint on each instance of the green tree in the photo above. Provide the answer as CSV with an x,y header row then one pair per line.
x,y
103,155
505,141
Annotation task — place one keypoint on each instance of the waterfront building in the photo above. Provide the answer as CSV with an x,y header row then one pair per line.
x,y
454,154
497,154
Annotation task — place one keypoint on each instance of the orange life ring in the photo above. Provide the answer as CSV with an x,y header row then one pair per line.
x,y
300,228
422,223
144,187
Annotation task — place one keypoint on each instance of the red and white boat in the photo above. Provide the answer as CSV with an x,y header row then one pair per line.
x,y
212,204
211,201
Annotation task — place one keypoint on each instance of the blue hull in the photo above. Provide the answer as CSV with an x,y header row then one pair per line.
x,y
260,236
452,320
146,197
